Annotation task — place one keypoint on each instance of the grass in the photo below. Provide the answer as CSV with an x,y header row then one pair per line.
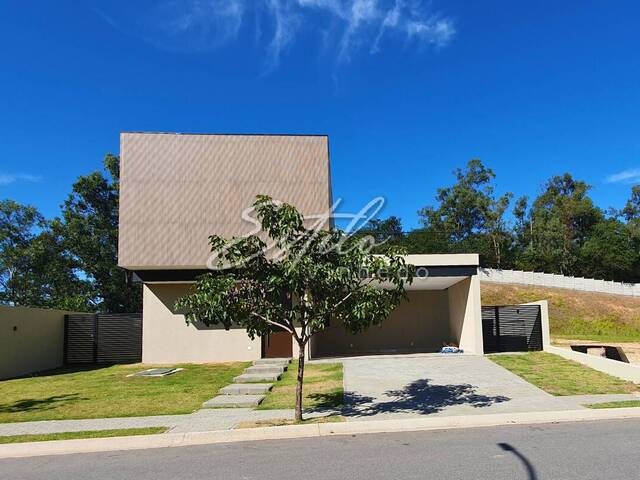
x,y
322,387
559,376
108,392
86,434
277,422
622,404
574,314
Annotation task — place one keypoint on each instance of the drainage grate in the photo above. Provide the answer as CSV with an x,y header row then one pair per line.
x,y
156,372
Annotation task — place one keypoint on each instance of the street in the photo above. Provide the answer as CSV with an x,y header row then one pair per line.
x,y
584,450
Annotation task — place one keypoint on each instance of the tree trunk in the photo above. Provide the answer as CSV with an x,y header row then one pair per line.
x,y
299,381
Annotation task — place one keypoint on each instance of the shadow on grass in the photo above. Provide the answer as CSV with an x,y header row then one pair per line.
x,y
418,397
327,401
38,404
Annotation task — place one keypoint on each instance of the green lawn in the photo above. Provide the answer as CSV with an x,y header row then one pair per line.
x,y
322,387
559,376
623,404
88,434
108,392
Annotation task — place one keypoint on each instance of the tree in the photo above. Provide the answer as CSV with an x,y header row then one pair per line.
x,y
90,230
35,269
313,277
386,234
470,216
562,218
610,252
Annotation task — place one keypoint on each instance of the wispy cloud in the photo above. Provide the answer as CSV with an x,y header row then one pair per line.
x,y
7,178
192,25
626,176
346,27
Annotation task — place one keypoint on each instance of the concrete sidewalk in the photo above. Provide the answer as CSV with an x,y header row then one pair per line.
x,y
64,447
200,421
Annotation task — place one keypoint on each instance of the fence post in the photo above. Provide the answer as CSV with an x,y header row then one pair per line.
x,y
95,338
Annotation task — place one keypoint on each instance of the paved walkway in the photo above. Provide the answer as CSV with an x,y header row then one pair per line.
x,y
414,386
200,421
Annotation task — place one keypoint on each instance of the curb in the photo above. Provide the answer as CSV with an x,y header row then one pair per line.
x,y
166,440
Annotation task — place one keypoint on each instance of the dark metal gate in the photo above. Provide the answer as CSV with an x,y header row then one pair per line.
x,y
511,328
102,338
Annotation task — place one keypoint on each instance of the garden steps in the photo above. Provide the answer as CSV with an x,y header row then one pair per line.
x,y
266,369
246,389
234,401
250,389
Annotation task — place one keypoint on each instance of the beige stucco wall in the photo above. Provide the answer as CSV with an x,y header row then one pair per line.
x,y
418,325
166,338
36,344
465,315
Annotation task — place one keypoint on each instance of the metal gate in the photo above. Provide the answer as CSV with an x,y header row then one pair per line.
x,y
103,338
511,328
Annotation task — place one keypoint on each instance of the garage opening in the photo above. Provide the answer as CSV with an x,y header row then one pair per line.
x,y
512,328
419,325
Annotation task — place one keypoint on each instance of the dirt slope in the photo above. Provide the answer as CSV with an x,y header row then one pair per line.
x,y
575,314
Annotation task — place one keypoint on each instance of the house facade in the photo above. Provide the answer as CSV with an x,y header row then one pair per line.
x,y
177,189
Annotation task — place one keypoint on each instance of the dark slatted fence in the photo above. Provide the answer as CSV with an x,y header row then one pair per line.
x,y
103,338
512,328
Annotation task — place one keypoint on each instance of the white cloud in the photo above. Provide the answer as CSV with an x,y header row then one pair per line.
x,y
286,23
348,27
192,25
627,176
7,178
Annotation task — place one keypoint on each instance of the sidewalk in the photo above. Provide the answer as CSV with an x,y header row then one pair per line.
x,y
227,418
64,447
199,421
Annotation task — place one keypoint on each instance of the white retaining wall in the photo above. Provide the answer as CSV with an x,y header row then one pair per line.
x,y
540,279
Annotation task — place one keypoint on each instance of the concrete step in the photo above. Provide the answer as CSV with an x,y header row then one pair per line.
x,y
257,377
246,388
272,361
274,369
233,401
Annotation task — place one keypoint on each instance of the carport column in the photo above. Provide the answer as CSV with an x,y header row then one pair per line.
x,y
465,314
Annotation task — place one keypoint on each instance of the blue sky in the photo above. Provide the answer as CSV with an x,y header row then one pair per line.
x,y
406,90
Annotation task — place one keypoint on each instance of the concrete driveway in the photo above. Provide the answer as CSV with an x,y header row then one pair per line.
x,y
405,386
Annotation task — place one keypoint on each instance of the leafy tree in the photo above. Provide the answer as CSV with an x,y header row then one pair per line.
x,y
90,231
315,277
386,234
562,217
36,271
425,240
610,252
469,215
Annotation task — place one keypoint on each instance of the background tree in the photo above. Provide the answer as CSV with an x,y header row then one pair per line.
x,y
90,231
35,269
562,217
469,216
386,234
314,277
610,252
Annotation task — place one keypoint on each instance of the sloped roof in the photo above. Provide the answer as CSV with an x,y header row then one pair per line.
x,y
177,189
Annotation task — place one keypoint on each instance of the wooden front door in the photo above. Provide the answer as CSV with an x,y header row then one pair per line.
x,y
277,345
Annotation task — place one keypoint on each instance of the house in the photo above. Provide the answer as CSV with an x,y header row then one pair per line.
x,y
177,189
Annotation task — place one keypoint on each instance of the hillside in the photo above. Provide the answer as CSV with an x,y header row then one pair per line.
x,y
575,314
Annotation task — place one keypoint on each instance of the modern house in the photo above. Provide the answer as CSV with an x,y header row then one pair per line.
x,y
177,189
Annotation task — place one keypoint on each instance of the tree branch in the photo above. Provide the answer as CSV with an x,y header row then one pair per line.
x,y
271,322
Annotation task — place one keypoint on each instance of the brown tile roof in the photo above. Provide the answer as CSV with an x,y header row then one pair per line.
x,y
177,189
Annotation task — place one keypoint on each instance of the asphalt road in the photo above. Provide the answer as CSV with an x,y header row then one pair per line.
x,y
586,450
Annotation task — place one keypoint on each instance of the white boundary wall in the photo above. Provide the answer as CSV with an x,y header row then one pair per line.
x,y
540,279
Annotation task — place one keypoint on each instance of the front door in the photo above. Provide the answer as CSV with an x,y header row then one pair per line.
x,y
277,345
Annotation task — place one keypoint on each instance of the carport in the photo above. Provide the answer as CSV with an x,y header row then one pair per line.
x,y
443,306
